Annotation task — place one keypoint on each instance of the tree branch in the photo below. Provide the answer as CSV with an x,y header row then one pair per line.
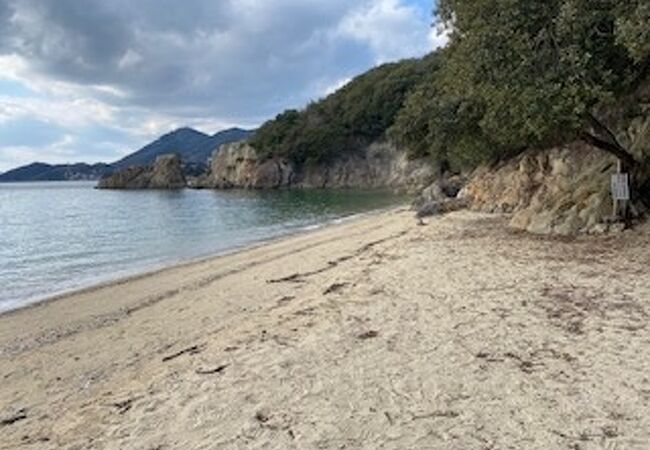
x,y
600,128
612,148
604,139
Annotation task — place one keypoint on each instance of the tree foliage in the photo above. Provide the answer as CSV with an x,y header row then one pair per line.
x,y
541,70
633,28
443,127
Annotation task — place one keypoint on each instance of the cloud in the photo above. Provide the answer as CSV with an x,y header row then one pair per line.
x,y
388,27
141,66
62,151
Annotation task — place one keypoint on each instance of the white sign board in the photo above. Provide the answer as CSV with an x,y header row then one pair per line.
x,y
621,186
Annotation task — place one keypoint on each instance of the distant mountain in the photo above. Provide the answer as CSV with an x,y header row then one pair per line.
x,y
194,147
60,172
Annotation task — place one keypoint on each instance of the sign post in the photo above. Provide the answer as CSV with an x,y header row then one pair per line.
x,y
620,191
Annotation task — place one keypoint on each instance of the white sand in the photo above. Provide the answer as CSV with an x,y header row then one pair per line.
x,y
372,334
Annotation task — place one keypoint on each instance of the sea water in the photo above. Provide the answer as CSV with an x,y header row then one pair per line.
x,y
59,236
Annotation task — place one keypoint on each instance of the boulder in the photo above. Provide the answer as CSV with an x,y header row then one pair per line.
x,y
564,190
431,194
238,165
440,190
437,207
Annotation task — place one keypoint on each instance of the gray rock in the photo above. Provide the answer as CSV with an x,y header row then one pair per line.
x,y
564,190
428,209
438,207
431,194
440,190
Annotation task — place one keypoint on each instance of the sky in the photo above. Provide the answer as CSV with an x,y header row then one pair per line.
x,y
93,80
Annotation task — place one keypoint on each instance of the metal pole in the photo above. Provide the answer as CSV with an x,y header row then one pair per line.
x,y
619,169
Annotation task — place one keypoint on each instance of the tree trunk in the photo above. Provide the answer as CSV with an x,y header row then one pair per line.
x,y
601,137
629,163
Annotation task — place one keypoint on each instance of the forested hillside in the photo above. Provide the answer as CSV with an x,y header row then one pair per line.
x,y
59,172
348,120
515,75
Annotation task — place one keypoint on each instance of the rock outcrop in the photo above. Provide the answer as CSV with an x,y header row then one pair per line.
x,y
238,166
440,197
442,189
165,173
381,165
559,191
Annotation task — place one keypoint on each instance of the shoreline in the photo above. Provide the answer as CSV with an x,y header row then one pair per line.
x,y
376,332
156,269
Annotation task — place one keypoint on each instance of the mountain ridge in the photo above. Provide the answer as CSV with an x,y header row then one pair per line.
x,y
39,171
194,148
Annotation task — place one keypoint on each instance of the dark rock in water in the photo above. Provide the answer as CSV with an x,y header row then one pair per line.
x,y
166,173
129,178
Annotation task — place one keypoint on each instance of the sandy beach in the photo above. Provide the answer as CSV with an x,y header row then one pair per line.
x,y
377,333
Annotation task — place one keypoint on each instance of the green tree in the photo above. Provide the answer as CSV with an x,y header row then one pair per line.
x,y
633,28
541,70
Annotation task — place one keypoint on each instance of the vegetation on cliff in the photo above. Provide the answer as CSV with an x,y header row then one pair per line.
x,y
346,121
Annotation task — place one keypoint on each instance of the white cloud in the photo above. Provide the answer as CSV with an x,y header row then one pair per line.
x,y
130,59
336,86
391,28
65,113
439,37
63,151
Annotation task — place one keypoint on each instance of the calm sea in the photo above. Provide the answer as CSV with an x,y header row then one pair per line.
x,y
60,236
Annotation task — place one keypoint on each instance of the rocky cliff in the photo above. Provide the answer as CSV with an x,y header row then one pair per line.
x,y
558,191
165,173
380,165
561,191
564,190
